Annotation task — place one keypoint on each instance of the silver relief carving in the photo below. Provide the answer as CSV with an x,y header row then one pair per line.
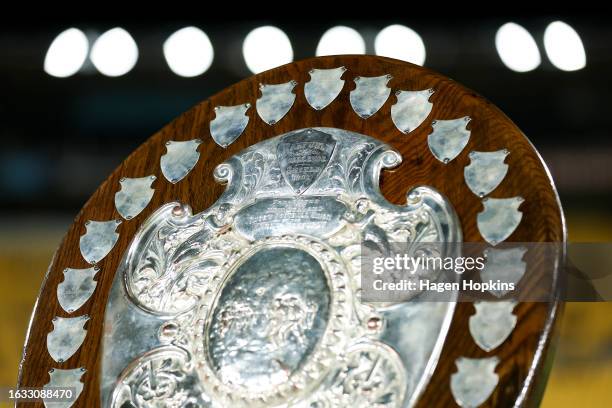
x,y
474,380
492,323
275,101
411,109
324,86
134,196
486,171
448,138
229,123
255,301
66,337
499,218
60,378
370,94
506,265
76,288
180,159
100,238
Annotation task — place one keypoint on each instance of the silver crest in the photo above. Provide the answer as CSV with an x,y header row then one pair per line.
x,y
180,159
229,123
134,196
370,94
486,171
275,101
76,288
256,298
411,109
474,381
492,323
499,218
448,138
66,337
99,239
506,265
59,378
324,86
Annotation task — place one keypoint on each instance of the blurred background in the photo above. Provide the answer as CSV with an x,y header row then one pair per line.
x,y
78,97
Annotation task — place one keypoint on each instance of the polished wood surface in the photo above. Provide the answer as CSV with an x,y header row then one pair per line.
x,y
523,356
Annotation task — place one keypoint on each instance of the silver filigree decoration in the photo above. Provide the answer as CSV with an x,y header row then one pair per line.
x,y
474,381
324,86
506,265
100,238
486,171
492,323
499,218
370,94
448,138
180,159
76,288
229,123
134,196
60,378
275,101
411,109
66,337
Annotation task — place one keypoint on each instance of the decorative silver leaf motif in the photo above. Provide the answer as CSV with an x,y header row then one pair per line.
x,y
411,109
486,171
180,159
448,138
229,123
492,323
60,378
506,265
275,101
77,287
323,87
474,381
66,337
370,94
134,196
99,239
499,218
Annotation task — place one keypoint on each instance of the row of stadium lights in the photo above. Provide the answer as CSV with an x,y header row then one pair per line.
x,y
189,52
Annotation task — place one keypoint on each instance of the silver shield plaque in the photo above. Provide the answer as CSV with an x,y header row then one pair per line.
x,y
255,302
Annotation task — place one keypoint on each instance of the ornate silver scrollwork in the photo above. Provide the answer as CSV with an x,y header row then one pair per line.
x,y
486,171
370,94
59,378
411,109
324,86
229,123
448,138
180,159
506,265
66,337
99,239
492,323
275,101
76,288
134,196
474,381
499,218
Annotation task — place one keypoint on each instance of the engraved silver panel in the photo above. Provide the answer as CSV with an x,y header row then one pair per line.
x,y
486,171
60,378
370,94
506,265
474,381
134,196
448,138
275,101
99,239
492,323
256,299
411,109
66,337
229,123
499,218
180,159
324,86
76,288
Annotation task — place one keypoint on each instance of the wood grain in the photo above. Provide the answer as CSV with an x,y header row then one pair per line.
x,y
522,369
